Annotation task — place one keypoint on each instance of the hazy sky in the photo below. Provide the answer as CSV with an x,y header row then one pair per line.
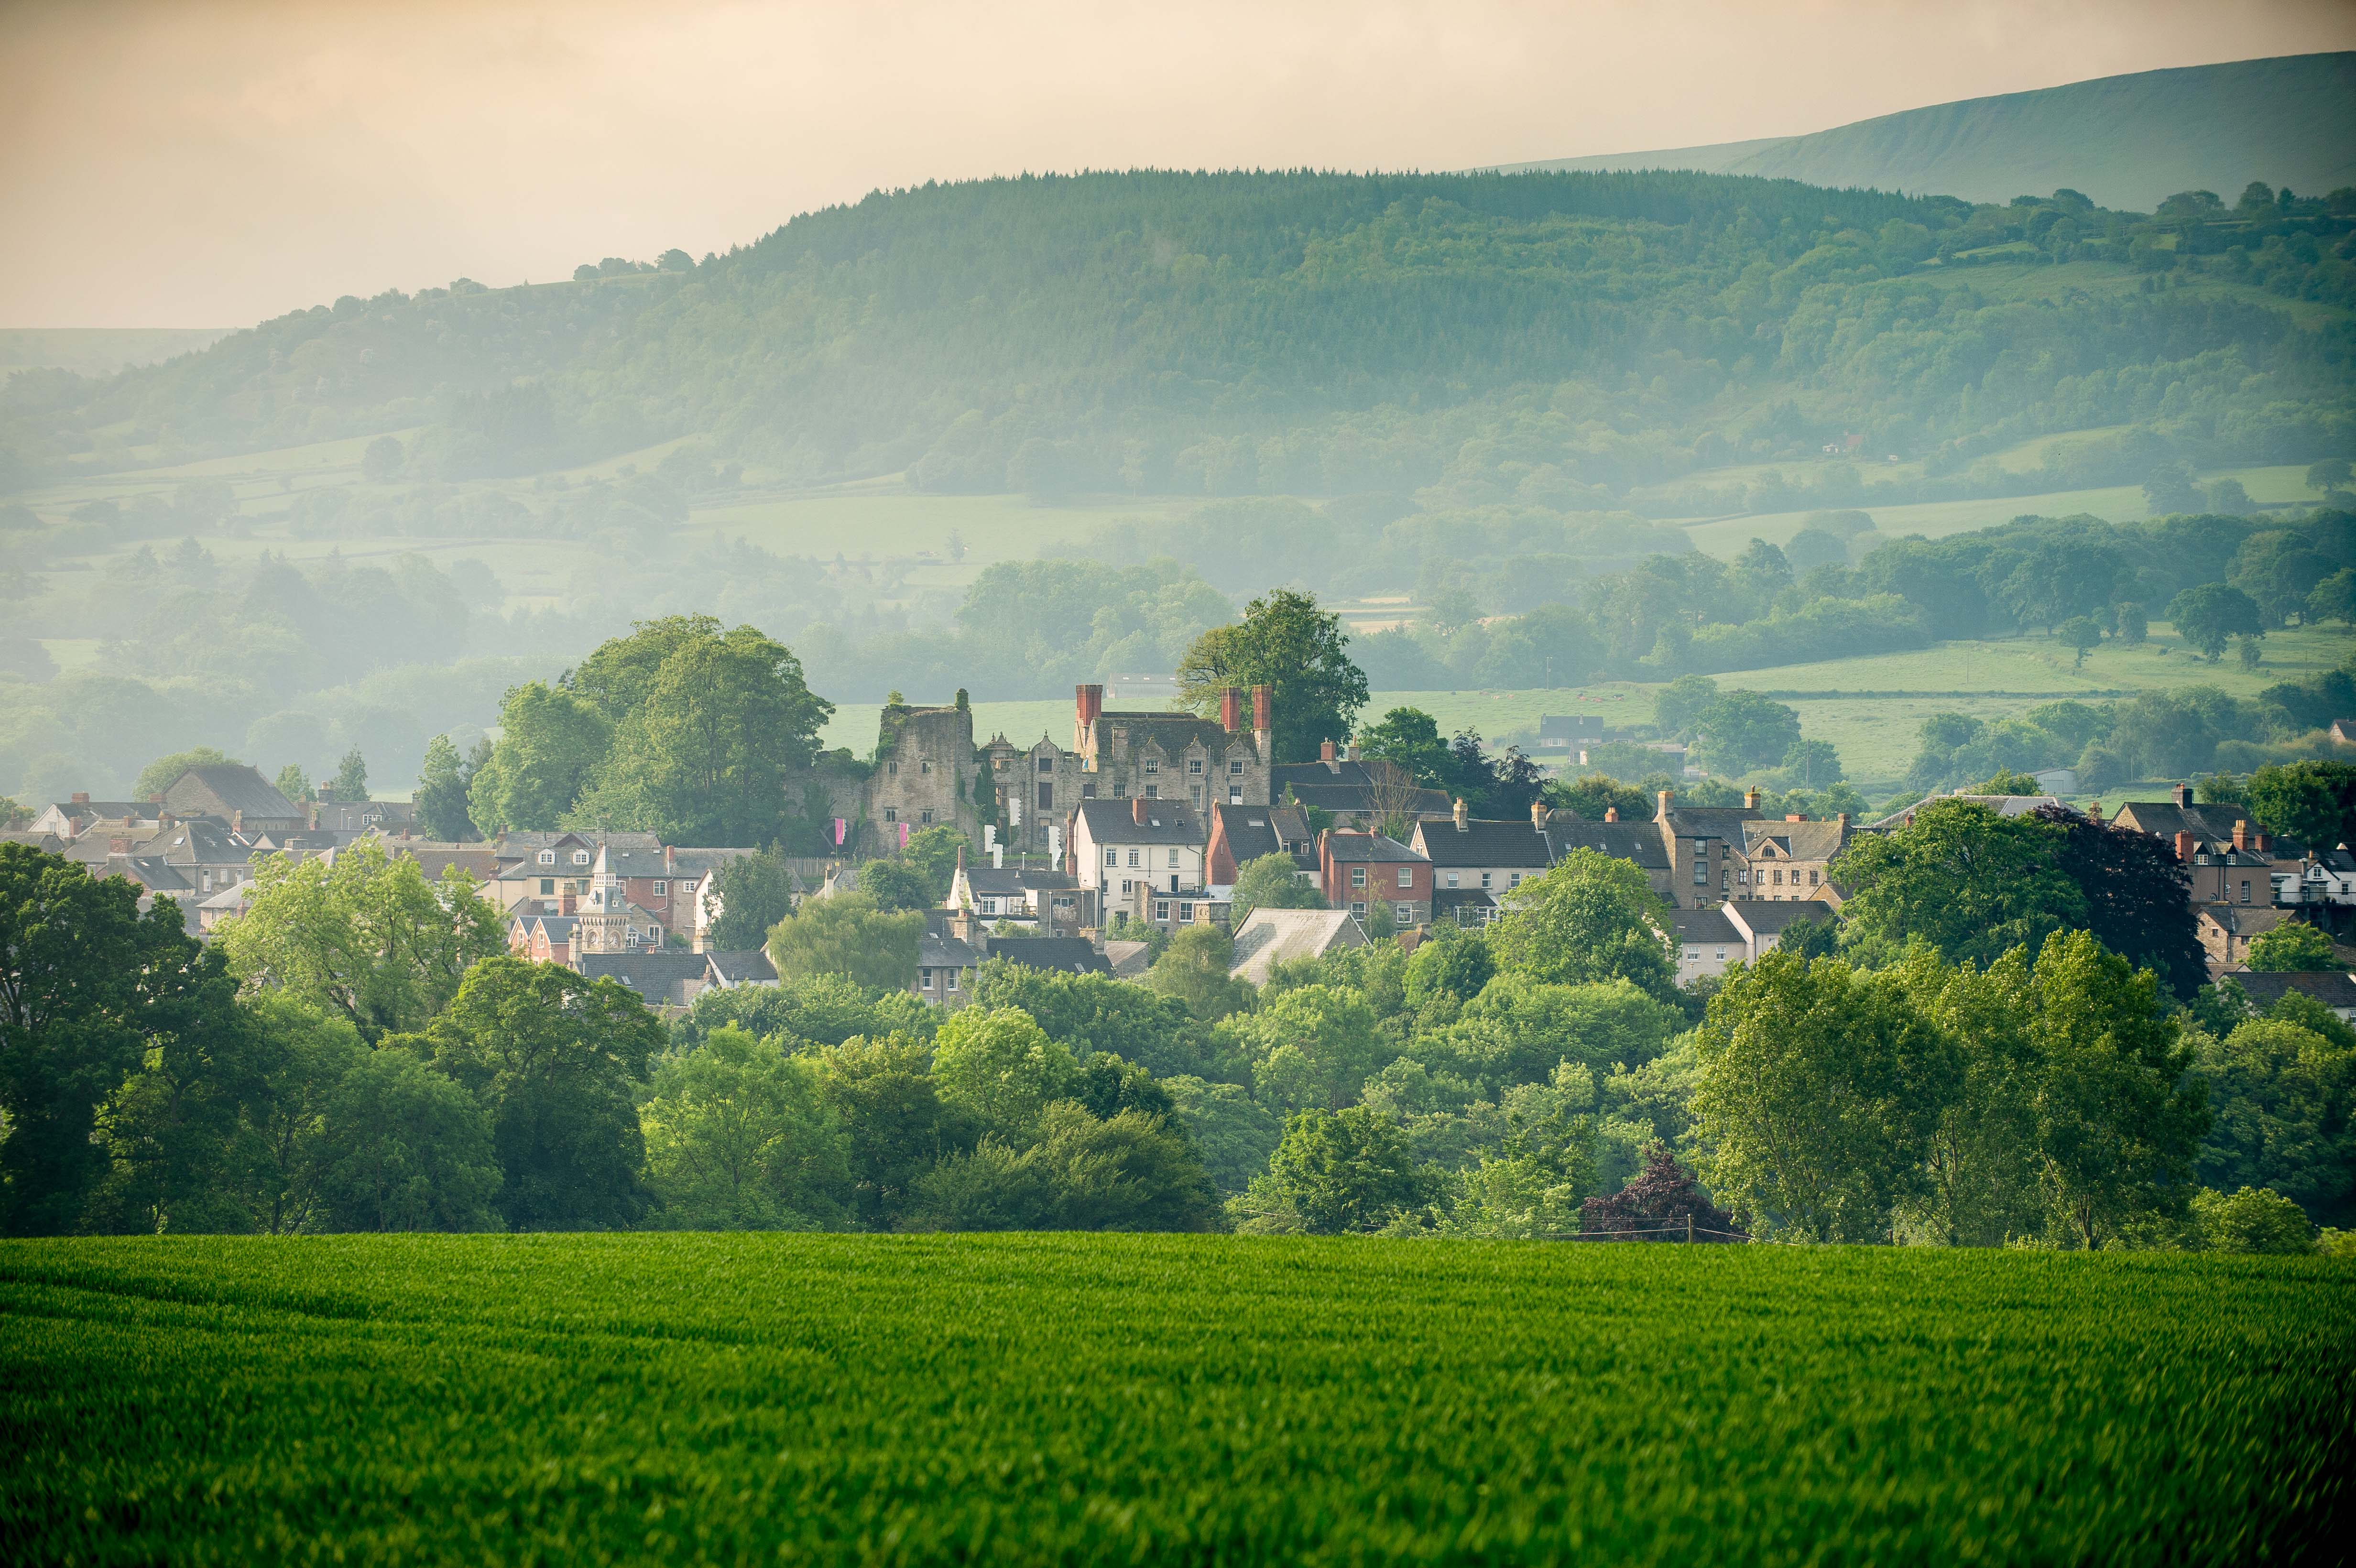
x,y
192,163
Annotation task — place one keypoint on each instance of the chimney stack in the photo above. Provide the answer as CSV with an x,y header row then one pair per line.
x,y
1136,809
1751,799
565,902
998,856
2095,813
1350,751
2184,847
670,860
2241,834
1611,814
1795,816
1843,824
81,797
1539,815
237,822
1263,716
118,845
1662,814
2183,794
1461,815
2259,840
1088,701
1231,709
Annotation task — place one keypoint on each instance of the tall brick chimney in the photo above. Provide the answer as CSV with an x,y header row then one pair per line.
x,y
1325,755
2183,794
1462,815
2184,842
81,797
1611,814
1264,721
1136,809
2241,834
1661,814
1539,815
565,902
1088,701
1751,799
1231,709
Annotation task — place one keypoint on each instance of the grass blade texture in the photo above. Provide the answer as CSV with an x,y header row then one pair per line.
x,y
1068,1398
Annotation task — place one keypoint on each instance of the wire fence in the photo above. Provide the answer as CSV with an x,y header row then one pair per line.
x,y
1687,1231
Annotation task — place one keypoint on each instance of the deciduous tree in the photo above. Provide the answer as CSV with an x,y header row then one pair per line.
x,y
1591,917
1286,642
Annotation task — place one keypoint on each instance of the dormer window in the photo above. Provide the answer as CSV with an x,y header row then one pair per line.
x,y
581,856
1153,766
547,857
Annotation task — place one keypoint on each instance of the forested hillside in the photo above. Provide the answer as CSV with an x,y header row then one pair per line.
x,y
1552,339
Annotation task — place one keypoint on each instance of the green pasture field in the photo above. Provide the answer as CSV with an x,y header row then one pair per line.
x,y
881,519
1083,1399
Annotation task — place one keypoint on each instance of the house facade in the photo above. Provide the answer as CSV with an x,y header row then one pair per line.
x,y
1357,871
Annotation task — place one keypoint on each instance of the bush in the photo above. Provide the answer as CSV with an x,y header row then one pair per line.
x,y
2252,1220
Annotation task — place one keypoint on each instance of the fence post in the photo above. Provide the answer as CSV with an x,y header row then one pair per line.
x,y
1689,1227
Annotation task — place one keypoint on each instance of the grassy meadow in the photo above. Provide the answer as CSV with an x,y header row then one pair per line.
x,y
1087,1397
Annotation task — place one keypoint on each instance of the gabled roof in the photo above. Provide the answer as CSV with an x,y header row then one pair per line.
x,y
206,841
750,966
1795,840
660,975
939,950
1166,822
556,927
2335,988
1068,955
1130,960
1272,936
1766,918
1516,844
2241,920
1710,821
1705,926
218,789
1355,848
1638,842
1248,831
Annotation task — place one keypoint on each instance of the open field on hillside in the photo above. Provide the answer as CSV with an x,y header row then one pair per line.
x,y
1074,1397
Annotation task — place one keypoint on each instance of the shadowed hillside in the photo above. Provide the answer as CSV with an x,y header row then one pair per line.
x,y
2126,141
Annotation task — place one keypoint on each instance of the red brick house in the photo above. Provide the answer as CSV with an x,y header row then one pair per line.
x,y
1358,870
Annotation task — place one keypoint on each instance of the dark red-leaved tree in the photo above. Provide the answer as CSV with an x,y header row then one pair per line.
x,y
2138,896
1655,1206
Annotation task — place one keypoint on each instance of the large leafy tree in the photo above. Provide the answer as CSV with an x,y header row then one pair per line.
x,y
1411,738
400,1148
164,772
1591,918
1193,969
710,736
1336,1171
1314,1045
2208,616
2138,895
2292,947
846,934
549,743
1097,1014
442,784
2278,1101
1741,731
365,937
998,1064
89,986
739,1135
1286,642
1271,881
1820,1086
2313,804
1968,881
555,1058
882,1090
2118,1120
756,893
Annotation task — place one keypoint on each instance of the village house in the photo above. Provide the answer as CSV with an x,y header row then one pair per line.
x,y
2326,877
328,814
1480,859
1781,861
1242,834
1704,845
2230,859
1359,871
1356,793
2335,988
236,795
69,819
1638,843
1119,844
1707,942
954,947
1175,756
1041,898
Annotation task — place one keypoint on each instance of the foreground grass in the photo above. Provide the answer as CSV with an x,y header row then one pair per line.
x,y
1071,1398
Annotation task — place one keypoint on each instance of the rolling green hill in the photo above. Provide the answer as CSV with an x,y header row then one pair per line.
x,y
2126,141
99,350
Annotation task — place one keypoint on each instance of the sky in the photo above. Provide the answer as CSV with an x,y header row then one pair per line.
x,y
199,163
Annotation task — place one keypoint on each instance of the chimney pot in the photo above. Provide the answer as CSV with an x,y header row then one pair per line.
x,y
1136,809
2183,794
1844,821
1611,814
1461,814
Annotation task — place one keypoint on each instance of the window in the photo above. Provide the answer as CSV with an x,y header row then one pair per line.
x,y
1724,880
661,889
547,857
1403,913
581,856
1721,955
1357,875
924,979
953,980
1693,954
1776,877
1132,857
1743,876
1407,876
1089,789
998,764
1451,878
1185,912
1513,878
1112,857
1488,879
1162,908
1046,797
1702,867
1811,876
1127,887
1236,768
924,767
925,816
1358,911
2246,890
1194,764
1173,856
1153,766
989,906
1235,795
548,884
1153,791
891,814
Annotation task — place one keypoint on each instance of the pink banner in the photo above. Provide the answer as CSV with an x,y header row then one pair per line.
x,y
903,836
841,829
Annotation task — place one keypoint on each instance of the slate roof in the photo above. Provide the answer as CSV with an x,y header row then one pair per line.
x,y
2242,920
1514,844
1768,917
1711,821
206,841
1066,955
1639,842
47,843
1130,960
1450,903
2002,805
2333,988
434,857
1166,822
1355,848
218,789
1271,937
1798,840
660,975
939,950
1173,732
1248,831
1700,926
747,967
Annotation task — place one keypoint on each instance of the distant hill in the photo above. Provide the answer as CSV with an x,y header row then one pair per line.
x,y
99,350
2128,141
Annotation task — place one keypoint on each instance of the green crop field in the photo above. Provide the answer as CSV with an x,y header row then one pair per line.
x,y
1070,1399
